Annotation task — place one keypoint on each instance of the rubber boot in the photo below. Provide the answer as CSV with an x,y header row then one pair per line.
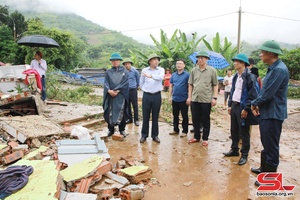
x,y
266,168
262,164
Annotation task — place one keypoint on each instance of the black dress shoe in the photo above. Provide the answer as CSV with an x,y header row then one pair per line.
x,y
128,121
142,140
256,170
242,160
137,123
109,133
256,183
123,133
231,153
156,139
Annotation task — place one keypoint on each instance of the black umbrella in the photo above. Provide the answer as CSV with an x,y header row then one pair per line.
x,y
38,41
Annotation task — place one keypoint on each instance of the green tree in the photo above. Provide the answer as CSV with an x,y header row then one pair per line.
x,y
225,50
21,25
66,57
8,47
292,61
169,49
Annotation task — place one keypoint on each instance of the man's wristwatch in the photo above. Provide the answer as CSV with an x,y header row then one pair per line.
x,y
215,98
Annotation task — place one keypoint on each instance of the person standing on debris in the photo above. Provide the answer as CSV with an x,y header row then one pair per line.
x,y
239,104
40,65
134,81
178,94
116,95
228,84
151,84
203,92
167,78
271,106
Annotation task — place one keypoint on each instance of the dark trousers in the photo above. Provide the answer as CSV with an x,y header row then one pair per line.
x,y
237,130
270,131
122,125
44,96
133,99
201,115
183,108
151,104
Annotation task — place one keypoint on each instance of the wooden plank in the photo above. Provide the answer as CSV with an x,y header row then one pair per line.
x,y
78,119
92,123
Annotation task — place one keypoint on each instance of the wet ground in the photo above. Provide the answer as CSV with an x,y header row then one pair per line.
x,y
175,162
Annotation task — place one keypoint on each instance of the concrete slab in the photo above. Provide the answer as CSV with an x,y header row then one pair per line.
x,y
31,126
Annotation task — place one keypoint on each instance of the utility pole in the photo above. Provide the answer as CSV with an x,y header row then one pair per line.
x,y
14,25
239,28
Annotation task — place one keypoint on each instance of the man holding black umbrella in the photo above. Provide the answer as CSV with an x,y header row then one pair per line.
x,y
40,65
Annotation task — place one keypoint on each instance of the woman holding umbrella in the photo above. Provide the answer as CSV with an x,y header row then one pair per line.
x,y
40,65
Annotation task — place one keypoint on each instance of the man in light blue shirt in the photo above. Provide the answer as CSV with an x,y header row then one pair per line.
x,y
134,81
151,84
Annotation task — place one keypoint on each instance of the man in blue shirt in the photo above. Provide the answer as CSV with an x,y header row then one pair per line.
x,y
134,80
271,105
151,84
178,94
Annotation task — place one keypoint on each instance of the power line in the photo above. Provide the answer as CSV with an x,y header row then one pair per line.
x,y
206,18
296,20
141,29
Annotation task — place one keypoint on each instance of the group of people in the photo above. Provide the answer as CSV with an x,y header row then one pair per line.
x,y
266,106
247,105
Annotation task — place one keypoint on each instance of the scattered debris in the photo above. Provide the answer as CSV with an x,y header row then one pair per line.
x,y
31,126
74,151
136,174
117,137
132,192
188,184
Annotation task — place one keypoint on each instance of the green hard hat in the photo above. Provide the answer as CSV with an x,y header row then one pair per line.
x,y
153,56
242,57
115,56
203,54
127,60
271,46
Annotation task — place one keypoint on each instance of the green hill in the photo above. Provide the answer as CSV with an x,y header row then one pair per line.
x,y
86,30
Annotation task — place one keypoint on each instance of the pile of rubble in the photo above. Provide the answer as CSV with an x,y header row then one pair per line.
x,y
66,167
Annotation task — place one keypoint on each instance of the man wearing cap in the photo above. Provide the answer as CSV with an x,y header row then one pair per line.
x,y
271,106
115,95
134,81
239,107
151,84
40,65
203,91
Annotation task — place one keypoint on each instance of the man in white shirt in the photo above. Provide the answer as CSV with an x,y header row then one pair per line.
x,y
40,65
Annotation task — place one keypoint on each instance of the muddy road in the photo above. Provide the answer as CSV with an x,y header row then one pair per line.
x,y
191,171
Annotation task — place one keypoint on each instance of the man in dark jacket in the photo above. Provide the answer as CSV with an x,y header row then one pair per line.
x,y
271,105
116,95
239,107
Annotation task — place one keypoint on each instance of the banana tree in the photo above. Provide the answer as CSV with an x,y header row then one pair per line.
x,y
226,49
178,46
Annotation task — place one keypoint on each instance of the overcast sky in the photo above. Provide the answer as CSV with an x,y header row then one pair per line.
x,y
128,16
